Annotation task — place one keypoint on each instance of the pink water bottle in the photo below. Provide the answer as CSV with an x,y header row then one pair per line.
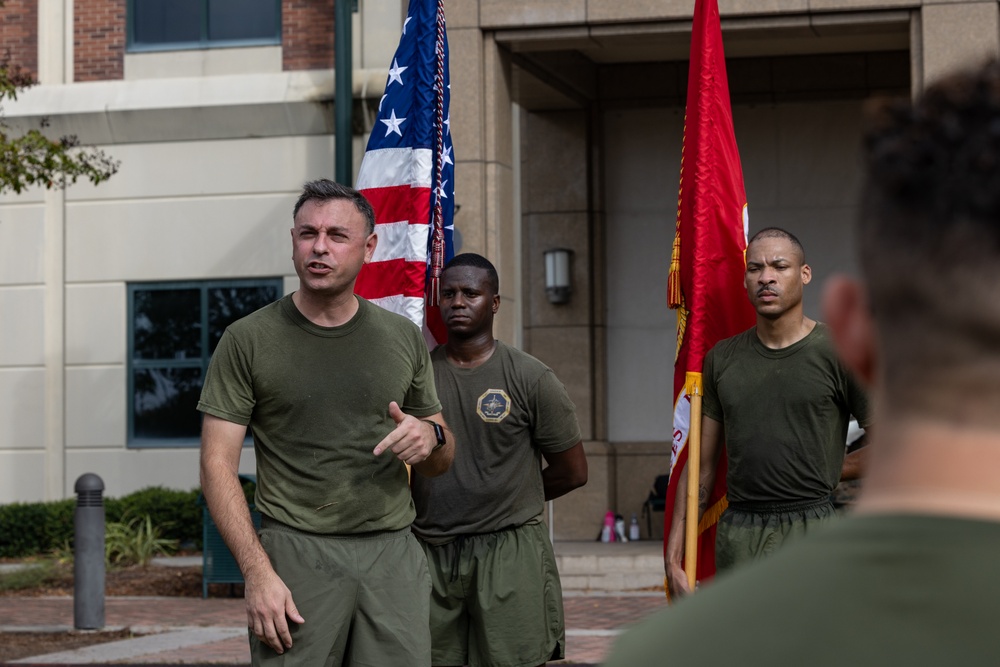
x,y
608,531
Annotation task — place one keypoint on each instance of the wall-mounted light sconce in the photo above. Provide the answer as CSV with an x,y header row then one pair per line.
x,y
558,274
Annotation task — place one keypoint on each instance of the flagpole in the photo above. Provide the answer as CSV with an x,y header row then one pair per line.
x,y
693,382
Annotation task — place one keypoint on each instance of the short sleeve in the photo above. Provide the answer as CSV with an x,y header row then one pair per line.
x,y
227,392
710,405
857,400
555,427
421,398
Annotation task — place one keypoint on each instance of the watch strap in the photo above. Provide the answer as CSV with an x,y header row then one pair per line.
x,y
438,433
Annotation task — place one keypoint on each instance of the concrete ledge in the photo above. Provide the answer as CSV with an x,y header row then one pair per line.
x,y
192,108
596,566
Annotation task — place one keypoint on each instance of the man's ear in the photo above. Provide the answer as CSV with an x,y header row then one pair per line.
x,y
370,244
846,312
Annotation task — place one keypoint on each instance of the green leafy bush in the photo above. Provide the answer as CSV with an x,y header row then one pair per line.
x,y
135,541
28,529
34,528
176,513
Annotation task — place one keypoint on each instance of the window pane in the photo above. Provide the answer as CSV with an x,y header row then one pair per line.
x,y
166,21
167,324
242,19
228,304
166,401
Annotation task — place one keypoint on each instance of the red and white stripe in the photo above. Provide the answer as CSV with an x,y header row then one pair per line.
x,y
397,182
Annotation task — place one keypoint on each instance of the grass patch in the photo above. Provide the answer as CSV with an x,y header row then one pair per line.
x,y
33,575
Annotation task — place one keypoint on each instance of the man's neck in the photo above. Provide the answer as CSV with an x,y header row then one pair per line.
x,y
470,352
786,330
326,311
932,467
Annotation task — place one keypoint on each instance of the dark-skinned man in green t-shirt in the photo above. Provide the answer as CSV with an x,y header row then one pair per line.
x,y
910,577
339,395
497,600
779,401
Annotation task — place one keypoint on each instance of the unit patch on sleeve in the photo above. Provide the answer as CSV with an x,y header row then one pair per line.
x,y
493,406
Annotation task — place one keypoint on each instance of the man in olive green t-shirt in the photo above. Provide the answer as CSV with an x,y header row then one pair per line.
x,y
339,395
910,576
496,598
778,400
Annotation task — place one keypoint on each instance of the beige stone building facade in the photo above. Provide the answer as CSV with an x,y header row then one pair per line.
x,y
567,118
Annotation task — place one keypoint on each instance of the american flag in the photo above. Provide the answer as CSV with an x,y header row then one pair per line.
x,y
408,174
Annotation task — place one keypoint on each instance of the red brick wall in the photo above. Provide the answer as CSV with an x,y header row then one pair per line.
x,y
98,40
99,35
19,34
307,34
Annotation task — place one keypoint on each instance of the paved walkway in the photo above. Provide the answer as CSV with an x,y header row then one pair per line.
x,y
192,631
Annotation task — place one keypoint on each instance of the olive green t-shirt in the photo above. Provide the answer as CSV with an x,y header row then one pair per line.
x,y
868,590
785,413
505,414
317,402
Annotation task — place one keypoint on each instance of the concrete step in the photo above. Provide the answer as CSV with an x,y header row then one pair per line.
x,y
596,566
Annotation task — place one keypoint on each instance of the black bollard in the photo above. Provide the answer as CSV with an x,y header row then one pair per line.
x,y
88,554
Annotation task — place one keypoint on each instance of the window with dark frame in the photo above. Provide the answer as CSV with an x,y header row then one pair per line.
x,y
155,25
173,331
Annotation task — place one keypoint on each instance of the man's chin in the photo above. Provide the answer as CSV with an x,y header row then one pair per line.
x,y
770,311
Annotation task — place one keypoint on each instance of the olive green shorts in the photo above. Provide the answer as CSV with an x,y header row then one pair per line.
x,y
364,598
750,531
496,599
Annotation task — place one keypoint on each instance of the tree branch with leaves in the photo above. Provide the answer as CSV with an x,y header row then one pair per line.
x,y
32,158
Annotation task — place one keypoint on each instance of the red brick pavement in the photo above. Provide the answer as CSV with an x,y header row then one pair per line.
x,y
228,612
588,620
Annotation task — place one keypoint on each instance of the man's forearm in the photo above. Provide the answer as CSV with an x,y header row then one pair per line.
x,y
438,462
675,540
441,458
229,510
854,464
557,483
566,470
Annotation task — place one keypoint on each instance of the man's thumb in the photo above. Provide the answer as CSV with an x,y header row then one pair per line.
x,y
394,412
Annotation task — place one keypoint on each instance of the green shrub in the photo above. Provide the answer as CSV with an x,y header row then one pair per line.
x,y
135,541
176,513
34,528
28,529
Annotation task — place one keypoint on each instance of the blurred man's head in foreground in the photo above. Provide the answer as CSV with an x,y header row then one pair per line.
x,y
929,241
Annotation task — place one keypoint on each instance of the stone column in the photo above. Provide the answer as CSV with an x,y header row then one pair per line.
x,y
55,67
953,35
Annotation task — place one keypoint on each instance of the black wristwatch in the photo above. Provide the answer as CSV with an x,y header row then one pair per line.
x,y
438,433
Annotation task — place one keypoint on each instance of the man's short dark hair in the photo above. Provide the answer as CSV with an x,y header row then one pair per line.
x,y
323,190
479,262
779,233
929,242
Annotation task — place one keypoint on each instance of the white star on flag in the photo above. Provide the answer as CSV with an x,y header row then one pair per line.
x,y
440,191
395,71
392,123
446,156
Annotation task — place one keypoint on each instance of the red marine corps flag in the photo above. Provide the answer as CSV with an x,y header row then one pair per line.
x,y
709,254
408,174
